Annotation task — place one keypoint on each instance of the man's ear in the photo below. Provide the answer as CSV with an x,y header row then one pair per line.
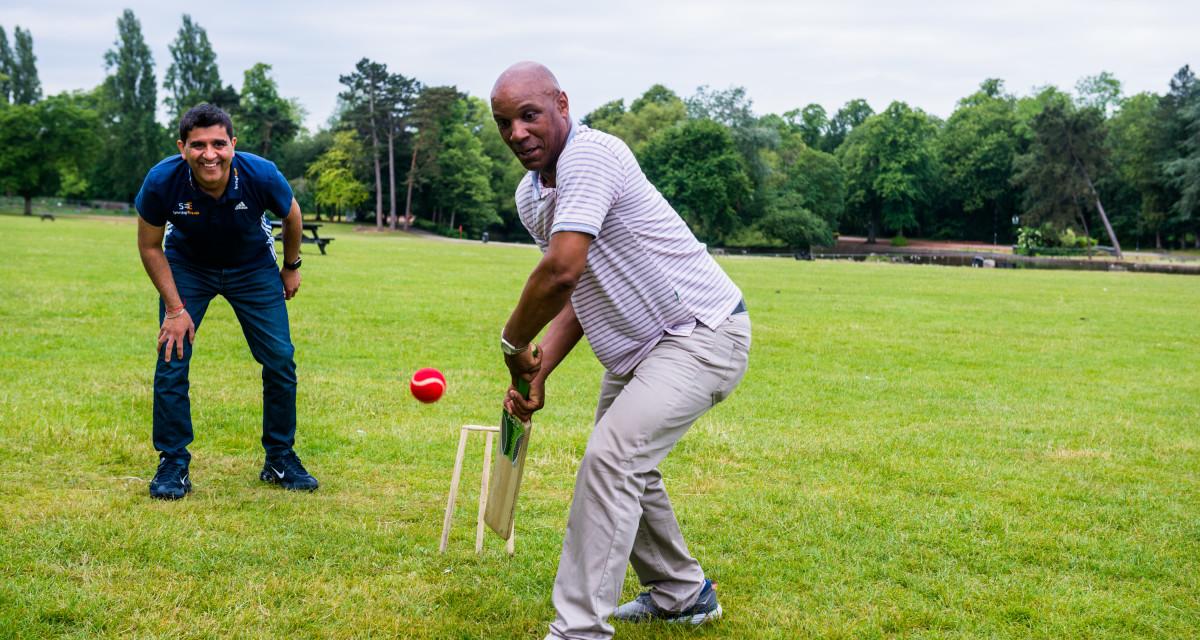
x,y
179,143
564,107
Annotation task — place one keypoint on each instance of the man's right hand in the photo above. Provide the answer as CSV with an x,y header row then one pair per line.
x,y
172,333
524,408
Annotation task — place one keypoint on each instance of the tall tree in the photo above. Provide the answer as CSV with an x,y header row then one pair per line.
x,y
1057,173
1184,173
656,94
852,114
332,174
6,68
463,183
1101,91
605,116
977,146
294,158
432,114
266,120
192,77
729,107
128,112
891,169
753,138
1174,119
698,170
366,109
806,195
1133,141
42,143
656,109
26,88
811,122
506,170
399,96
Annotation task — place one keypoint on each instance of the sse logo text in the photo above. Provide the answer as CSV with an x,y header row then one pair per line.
x,y
184,209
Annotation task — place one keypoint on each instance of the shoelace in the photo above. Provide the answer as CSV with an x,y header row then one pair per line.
x,y
170,472
291,465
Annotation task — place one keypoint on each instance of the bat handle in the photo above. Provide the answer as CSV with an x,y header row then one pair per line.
x,y
522,383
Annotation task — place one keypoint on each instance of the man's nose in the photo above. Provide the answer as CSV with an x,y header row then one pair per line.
x,y
518,132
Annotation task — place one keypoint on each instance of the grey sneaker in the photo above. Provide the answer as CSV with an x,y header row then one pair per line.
x,y
643,609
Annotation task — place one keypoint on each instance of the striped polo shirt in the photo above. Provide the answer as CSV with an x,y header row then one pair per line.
x,y
646,273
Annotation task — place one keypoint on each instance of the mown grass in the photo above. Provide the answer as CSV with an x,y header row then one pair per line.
x,y
917,452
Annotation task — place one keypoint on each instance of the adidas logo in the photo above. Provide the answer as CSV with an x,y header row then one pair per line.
x,y
240,206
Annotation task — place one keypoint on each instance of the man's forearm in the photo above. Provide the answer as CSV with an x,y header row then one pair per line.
x,y
546,294
548,290
562,336
293,233
159,270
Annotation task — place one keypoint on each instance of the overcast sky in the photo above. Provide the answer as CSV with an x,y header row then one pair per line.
x,y
786,54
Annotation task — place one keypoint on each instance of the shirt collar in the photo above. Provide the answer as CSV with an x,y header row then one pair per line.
x,y
233,188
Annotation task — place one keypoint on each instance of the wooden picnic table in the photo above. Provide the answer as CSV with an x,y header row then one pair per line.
x,y
310,235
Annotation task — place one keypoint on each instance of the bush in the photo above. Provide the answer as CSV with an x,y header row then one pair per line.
x,y
899,241
747,237
797,227
1045,240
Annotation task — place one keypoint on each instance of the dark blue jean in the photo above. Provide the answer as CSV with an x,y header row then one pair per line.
x,y
256,295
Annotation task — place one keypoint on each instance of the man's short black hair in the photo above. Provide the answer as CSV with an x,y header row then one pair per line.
x,y
204,115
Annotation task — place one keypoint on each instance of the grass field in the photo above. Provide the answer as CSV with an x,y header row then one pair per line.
x,y
916,452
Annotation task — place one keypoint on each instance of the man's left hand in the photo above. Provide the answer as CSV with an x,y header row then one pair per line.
x,y
291,282
524,365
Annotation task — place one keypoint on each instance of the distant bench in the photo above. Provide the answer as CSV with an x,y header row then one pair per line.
x,y
308,236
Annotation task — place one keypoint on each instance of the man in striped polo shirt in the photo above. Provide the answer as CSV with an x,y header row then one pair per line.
x,y
620,266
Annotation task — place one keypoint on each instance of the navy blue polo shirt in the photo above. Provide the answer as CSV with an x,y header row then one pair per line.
x,y
230,231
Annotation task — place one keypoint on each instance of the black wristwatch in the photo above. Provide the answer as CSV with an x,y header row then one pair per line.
x,y
292,266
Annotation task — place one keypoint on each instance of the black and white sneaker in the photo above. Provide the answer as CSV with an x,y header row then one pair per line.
x,y
643,609
171,481
287,472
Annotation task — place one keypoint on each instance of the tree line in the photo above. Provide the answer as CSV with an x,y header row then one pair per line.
x,y
1094,164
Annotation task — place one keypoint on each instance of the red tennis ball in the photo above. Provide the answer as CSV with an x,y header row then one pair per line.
x,y
427,385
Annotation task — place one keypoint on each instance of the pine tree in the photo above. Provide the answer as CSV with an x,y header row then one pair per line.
x,y
26,88
6,65
267,120
364,95
130,102
192,77
1067,151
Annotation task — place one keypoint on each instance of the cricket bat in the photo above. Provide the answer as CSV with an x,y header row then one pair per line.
x,y
507,468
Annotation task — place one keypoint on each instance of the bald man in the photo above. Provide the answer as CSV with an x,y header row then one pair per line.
x,y
620,266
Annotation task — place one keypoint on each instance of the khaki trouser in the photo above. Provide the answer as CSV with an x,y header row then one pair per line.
x,y
620,512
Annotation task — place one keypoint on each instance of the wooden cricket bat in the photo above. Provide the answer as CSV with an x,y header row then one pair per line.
x,y
507,467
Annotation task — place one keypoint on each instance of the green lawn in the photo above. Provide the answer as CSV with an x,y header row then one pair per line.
x,y
916,452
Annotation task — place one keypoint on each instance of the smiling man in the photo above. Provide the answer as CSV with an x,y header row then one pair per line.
x,y
620,266
210,204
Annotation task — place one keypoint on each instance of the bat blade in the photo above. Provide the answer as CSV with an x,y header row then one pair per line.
x,y
508,466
